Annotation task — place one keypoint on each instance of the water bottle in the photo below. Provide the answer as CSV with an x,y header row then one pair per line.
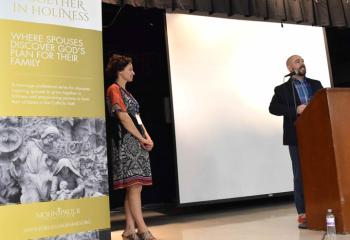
x,y
330,220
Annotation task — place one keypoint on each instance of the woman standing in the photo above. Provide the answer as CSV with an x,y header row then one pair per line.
x,y
130,145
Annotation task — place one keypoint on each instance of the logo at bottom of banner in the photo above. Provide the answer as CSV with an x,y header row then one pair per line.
x,y
45,219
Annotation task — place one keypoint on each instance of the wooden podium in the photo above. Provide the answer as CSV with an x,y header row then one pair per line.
x,y
323,131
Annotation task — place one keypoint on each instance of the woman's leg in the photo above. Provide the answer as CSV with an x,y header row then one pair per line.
x,y
130,222
133,196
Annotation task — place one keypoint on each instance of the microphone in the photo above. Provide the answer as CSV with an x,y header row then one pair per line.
x,y
295,72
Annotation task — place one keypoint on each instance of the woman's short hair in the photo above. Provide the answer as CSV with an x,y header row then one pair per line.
x,y
116,64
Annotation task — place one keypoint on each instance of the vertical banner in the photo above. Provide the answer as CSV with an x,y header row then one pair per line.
x,y
53,162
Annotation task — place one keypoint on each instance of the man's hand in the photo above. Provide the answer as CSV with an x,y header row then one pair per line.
x,y
301,108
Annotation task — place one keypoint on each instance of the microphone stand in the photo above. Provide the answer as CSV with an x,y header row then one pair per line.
x,y
294,99
287,102
294,72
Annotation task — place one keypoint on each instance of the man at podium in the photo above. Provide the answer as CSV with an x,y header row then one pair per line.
x,y
289,100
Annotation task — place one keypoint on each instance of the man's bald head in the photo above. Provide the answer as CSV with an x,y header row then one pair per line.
x,y
291,59
296,63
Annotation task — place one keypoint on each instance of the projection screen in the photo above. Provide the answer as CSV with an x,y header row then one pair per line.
x,y
223,73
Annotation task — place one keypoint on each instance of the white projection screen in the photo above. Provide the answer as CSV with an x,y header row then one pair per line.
x,y
223,73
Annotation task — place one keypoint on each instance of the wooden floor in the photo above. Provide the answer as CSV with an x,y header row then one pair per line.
x,y
254,222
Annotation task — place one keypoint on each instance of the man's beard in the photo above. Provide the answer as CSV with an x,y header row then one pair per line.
x,y
301,71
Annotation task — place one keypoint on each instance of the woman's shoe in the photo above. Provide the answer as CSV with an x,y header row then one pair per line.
x,y
146,236
132,236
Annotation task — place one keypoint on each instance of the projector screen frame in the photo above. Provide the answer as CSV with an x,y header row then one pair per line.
x,y
225,200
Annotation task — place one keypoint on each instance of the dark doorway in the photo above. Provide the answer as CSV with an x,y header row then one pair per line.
x,y
140,33
339,54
